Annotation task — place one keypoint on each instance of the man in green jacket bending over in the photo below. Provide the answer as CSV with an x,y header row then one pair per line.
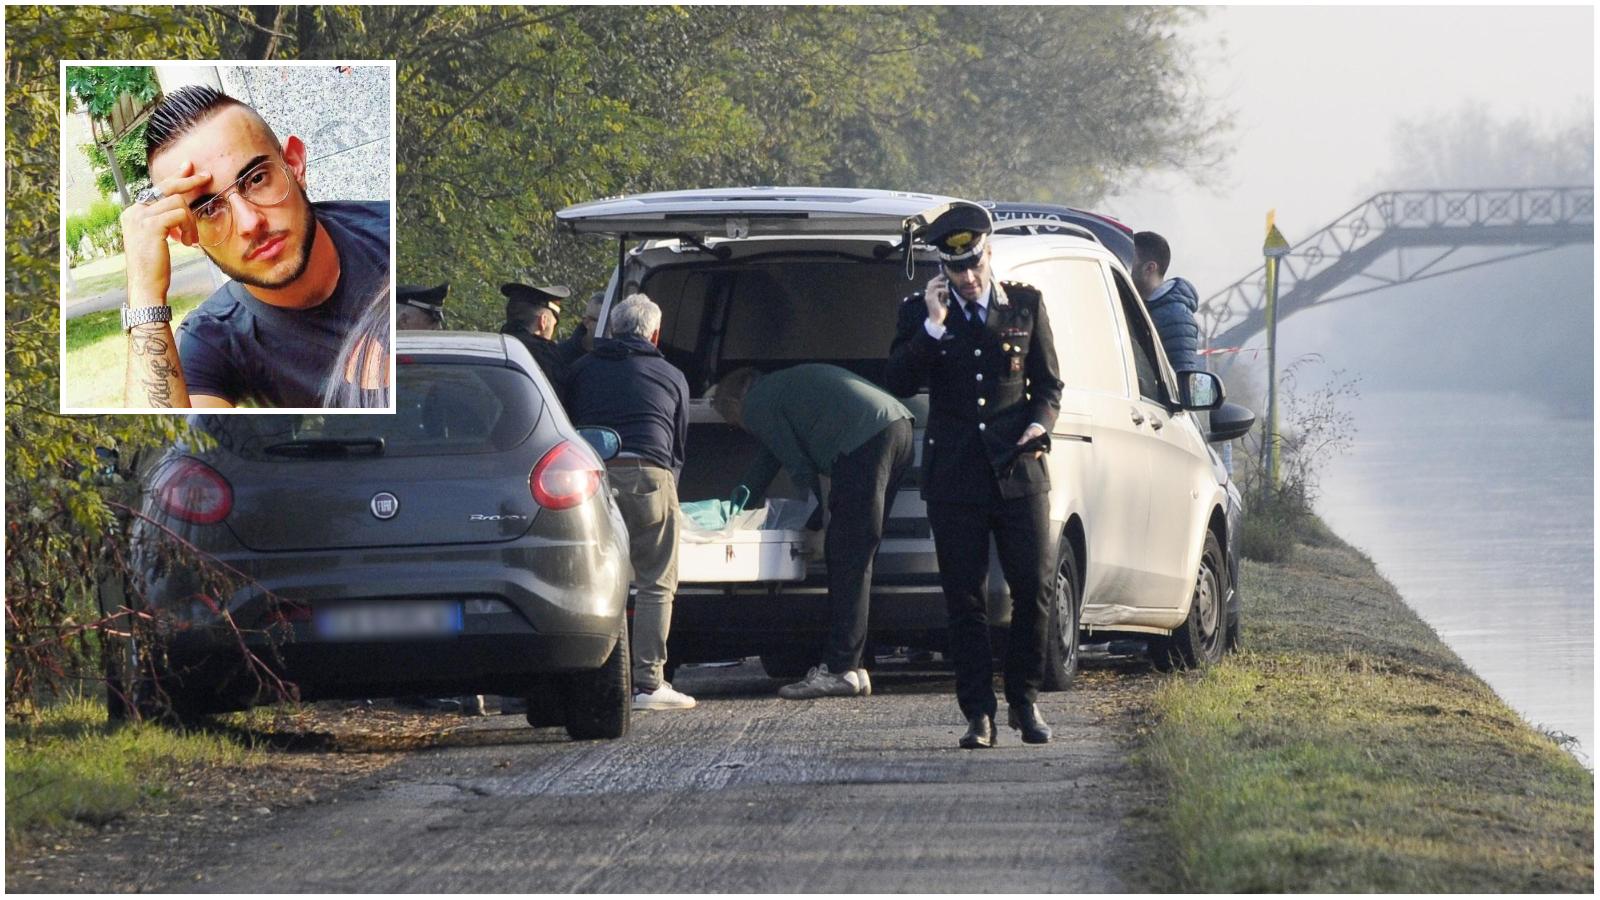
x,y
816,420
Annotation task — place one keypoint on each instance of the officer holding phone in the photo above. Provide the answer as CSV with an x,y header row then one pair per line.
x,y
985,352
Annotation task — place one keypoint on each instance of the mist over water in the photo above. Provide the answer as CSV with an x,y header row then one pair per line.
x,y
1480,509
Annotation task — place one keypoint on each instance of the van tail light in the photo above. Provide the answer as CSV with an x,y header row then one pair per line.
x,y
565,477
193,492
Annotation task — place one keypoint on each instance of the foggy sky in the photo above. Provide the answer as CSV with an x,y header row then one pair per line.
x,y
1317,94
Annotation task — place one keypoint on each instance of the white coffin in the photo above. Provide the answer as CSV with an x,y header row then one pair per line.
x,y
742,555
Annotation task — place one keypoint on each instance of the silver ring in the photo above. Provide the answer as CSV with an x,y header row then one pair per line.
x,y
149,195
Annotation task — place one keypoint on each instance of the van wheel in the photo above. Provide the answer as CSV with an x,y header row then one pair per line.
x,y
599,702
788,664
1066,609
1198,643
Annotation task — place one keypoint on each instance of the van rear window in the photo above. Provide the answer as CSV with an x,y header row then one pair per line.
x,y
440,410
780,311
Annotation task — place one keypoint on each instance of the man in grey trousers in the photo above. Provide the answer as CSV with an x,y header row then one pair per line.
x,y
627,385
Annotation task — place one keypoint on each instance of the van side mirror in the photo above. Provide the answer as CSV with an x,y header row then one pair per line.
x,y
1199,390
605,441
1228,422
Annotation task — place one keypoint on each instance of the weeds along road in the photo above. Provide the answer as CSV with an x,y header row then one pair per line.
x,y
746,792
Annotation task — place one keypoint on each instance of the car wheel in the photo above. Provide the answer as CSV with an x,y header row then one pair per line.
x,y
1066,608
1200,640
133,692
788,664
599,702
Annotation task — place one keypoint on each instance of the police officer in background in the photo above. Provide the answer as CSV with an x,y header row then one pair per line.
x,y
419,308
531,315
985,351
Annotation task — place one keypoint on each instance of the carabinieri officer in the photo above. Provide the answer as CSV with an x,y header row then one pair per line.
x,y
985,352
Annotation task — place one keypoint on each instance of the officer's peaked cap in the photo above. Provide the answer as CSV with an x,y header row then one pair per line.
x,y
959,233
549,295
430,299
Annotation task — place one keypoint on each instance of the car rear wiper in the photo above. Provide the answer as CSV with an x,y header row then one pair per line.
x,y
371,446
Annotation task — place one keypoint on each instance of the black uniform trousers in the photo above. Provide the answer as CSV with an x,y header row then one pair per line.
x,y
961,533
861,493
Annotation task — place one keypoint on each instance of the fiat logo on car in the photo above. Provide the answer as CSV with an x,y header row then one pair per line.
x,y
385,505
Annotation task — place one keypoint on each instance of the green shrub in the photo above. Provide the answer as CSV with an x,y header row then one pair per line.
x,y
102,223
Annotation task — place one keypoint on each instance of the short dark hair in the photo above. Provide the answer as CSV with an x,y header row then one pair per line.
x,y
1153,247
180,111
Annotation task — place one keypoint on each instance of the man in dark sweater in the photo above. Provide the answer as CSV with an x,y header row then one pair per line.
x,y
818,420
627,385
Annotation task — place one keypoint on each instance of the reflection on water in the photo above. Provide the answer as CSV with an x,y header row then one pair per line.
x,y
1480,509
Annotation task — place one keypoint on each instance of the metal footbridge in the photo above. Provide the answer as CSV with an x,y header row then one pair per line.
x,y
1402,237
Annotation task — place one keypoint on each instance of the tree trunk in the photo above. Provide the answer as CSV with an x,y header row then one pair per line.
x,y
116,173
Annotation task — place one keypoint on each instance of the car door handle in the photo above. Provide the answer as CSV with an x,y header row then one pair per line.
x,y
1138,417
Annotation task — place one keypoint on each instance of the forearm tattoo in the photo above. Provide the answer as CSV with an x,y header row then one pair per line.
x,y
153,365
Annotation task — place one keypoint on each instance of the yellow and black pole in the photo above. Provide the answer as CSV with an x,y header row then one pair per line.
x,y
1274,249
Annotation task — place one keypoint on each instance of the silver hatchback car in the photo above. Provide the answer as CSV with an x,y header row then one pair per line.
x,y
466,543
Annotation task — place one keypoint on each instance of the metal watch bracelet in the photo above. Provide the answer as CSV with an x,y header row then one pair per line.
x,y
144,315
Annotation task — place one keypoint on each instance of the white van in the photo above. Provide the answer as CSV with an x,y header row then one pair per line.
x,y
1144,513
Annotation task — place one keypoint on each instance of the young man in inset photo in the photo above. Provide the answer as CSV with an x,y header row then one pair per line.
x,y
301,273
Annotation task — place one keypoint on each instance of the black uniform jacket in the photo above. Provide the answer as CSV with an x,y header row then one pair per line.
x,y
986,383
546,353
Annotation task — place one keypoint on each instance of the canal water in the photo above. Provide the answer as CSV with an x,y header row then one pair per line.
x,y
1480,509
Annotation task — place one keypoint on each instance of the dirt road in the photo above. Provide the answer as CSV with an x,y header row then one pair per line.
x,y
744,793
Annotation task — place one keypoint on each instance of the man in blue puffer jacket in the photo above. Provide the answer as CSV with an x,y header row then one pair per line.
x,y
1172,302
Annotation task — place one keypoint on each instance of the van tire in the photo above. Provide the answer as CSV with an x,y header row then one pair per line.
x,y
1065,621
1199,642
599,703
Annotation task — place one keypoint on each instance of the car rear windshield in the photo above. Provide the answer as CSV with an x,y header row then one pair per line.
x,y
440,410
771,312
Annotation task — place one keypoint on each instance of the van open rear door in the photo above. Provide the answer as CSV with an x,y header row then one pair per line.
x,y
731,213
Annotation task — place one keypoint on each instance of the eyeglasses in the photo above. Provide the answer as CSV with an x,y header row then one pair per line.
x,y
962,265
265,185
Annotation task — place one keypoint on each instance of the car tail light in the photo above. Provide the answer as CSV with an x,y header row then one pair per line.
x,y
194,492
565,477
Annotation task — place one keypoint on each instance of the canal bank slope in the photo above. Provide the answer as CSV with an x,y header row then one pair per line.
x,y
1346,748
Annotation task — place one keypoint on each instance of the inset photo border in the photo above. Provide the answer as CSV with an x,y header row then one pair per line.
x,y
227,236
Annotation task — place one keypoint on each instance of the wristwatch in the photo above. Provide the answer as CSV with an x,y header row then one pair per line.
x,y
144,315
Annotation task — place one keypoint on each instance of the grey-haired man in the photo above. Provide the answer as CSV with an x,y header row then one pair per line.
x,y
627,385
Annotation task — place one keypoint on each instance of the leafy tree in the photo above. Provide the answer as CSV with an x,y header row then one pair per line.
x,y
130,156
99,91
57,516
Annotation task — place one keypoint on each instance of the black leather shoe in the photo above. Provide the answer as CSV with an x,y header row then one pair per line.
x,y
980,733
1027,720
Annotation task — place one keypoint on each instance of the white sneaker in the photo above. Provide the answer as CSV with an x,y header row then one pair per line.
x,y
663,697
819,682
863,679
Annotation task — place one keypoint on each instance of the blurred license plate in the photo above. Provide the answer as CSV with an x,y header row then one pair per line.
x,y
359,621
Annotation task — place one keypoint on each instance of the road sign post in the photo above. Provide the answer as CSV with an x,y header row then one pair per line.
x,y
1274,250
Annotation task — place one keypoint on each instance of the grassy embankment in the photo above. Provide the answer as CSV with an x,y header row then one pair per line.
x,y
1346,748
67,766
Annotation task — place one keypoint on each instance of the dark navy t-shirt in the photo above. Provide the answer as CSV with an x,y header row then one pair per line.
x,y
235,347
